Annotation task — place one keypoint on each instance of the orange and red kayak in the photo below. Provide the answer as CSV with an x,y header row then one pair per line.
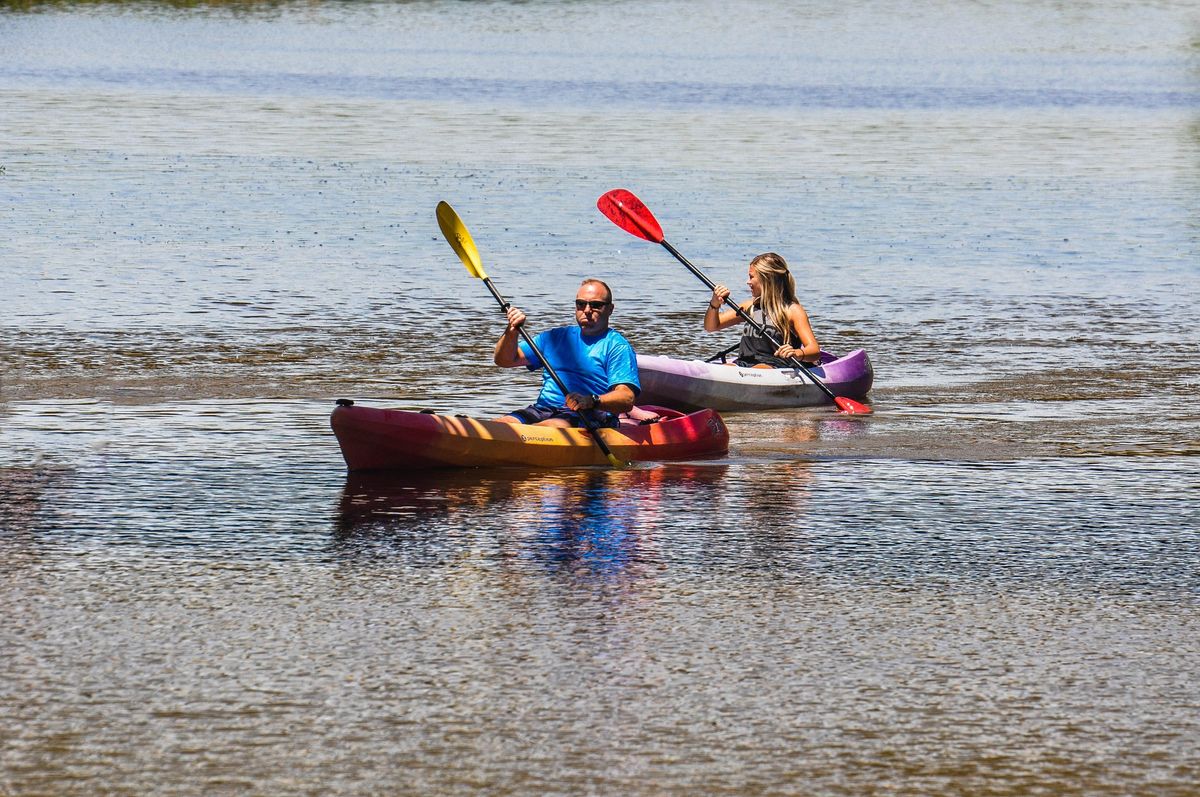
x,y
382,439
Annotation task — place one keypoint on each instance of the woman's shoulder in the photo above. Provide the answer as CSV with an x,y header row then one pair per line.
x,y
796,307
797,317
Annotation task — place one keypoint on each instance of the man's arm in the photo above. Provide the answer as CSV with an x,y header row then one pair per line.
x,y
508,350
616,401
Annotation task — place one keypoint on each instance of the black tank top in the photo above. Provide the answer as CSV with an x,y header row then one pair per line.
x,y
756,348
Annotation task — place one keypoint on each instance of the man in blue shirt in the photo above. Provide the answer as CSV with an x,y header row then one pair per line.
x,y
596,363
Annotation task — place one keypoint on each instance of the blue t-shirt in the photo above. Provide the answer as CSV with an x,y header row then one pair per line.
x,y
586,364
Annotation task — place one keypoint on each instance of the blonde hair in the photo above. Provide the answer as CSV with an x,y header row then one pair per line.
x,y
777,292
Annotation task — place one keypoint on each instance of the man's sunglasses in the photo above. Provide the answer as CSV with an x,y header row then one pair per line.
x,y
584,304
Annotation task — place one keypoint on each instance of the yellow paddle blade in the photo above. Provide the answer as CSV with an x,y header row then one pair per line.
x,y
455,233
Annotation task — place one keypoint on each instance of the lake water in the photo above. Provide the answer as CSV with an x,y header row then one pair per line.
x,y
216,220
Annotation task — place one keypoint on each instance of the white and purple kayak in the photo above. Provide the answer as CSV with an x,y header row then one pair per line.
x,y
693,384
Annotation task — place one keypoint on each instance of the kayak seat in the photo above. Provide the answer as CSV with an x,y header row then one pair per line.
x,y
625,420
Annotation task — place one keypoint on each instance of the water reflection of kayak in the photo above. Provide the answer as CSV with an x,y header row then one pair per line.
x,y
530,498
688,384
379,439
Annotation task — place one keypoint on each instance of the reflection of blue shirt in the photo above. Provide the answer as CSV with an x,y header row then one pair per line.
x,y
586,365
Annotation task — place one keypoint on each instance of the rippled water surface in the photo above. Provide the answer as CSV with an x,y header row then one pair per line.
x,y
216,219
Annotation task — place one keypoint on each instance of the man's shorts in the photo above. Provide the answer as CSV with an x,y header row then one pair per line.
x,y
535,413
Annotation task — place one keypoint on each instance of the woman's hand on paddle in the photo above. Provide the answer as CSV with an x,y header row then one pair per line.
x,y
515,319
713,318
786,352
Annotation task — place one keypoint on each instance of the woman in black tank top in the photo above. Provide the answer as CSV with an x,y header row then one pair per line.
x,y
774,305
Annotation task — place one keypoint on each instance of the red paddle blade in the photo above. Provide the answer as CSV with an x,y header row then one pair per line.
x,y
627,212
851,407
